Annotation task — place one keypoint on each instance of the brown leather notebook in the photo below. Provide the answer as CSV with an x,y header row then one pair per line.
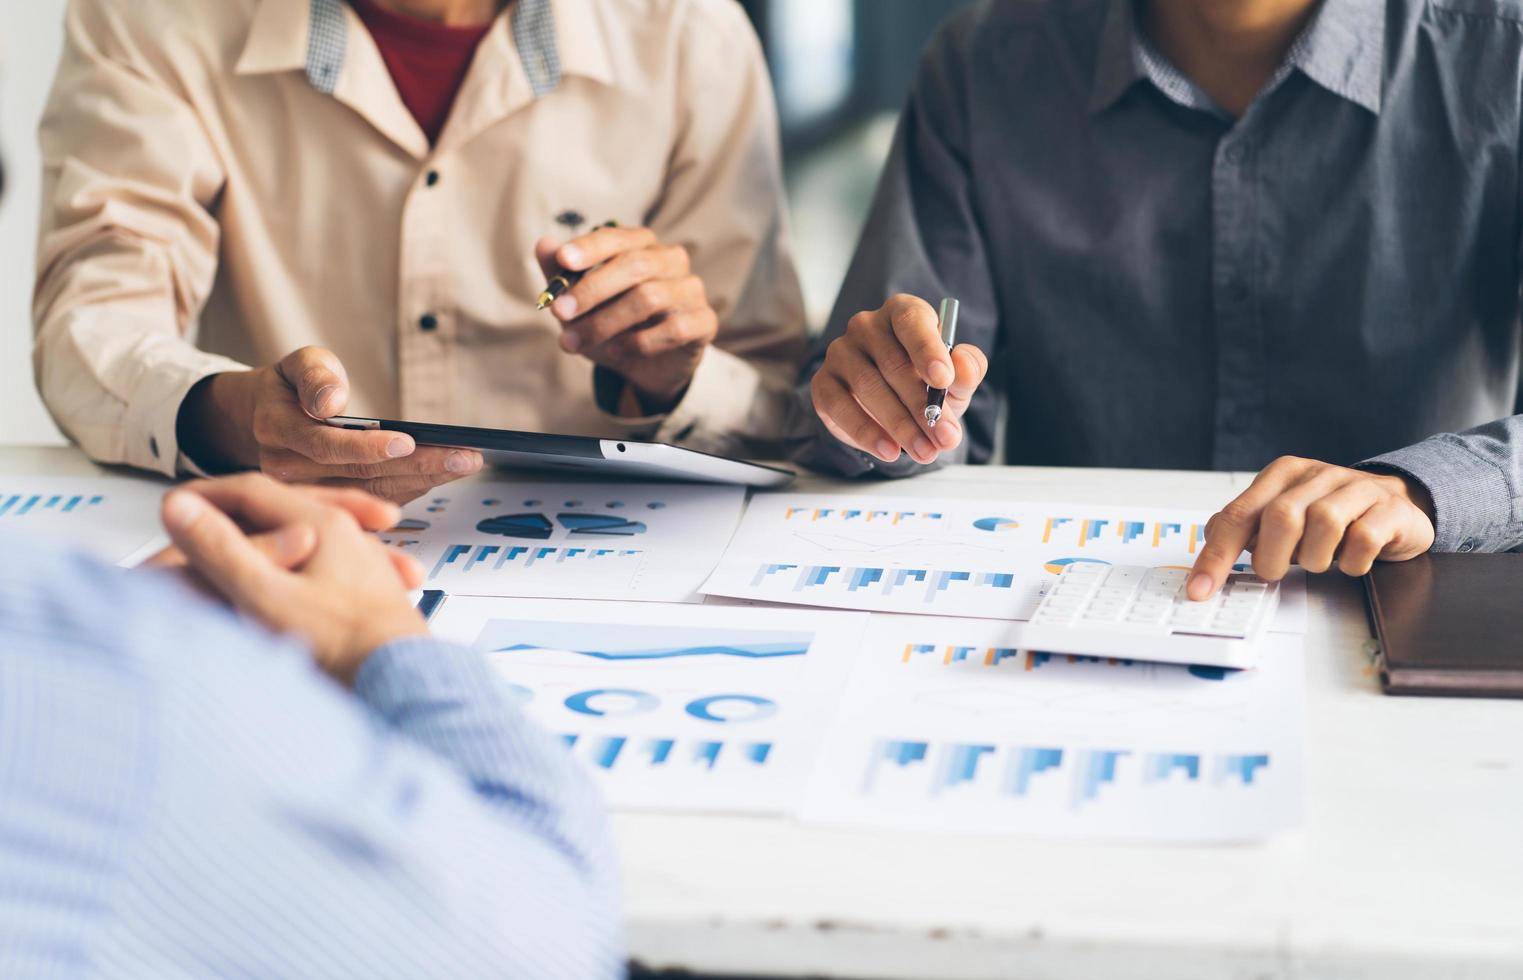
x,y
1449,625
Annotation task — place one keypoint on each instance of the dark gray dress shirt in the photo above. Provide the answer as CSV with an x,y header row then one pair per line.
x,y
1334,274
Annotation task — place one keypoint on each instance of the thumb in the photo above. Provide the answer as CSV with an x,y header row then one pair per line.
x,y
544,253
215,547
319,380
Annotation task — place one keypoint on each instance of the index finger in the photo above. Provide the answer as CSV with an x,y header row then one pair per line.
x,y
919,332
600,245
262,503
1230,531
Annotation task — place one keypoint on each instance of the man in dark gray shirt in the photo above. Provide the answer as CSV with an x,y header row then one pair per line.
x,y
1204,234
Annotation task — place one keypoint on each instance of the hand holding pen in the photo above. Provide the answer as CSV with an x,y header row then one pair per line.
x,y
891,365
631,304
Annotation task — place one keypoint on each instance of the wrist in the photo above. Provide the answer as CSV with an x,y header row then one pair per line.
x,y
639,402
213,425
370,636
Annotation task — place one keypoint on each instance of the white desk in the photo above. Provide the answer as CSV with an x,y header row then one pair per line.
x,y
1410,863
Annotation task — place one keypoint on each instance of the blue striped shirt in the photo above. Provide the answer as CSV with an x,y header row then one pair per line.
x,y
184,795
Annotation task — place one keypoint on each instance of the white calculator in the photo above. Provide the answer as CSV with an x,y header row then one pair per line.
x,y
1143,614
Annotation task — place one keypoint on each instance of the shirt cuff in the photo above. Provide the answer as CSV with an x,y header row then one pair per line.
x,y
420,670
1472,503
153,411
725,409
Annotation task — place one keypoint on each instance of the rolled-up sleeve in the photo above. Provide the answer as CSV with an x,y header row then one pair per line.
x,y
127,247
724,202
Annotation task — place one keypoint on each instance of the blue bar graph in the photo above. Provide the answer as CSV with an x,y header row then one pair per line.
x,y
959,764
1096,767
888,581
1243,767
660,749
607,750
1131,531
468,558
707,753
1028,761
19,505
863,577
1157,766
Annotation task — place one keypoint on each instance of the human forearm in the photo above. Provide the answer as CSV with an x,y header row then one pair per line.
x,y
445,699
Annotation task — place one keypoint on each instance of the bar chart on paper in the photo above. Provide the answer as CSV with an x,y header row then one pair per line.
x,y
111,517
670,706
953,725
946,558
603,541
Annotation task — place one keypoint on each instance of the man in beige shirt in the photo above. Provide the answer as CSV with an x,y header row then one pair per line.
x,y
245,230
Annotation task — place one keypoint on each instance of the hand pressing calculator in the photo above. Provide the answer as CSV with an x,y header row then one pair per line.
x,y
1142,614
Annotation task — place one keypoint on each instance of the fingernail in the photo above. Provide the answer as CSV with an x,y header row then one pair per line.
x,y
923,448
460,463
181,510
399,447
565,307
941,375
571,342
888,450
1199,587
571,256
320,400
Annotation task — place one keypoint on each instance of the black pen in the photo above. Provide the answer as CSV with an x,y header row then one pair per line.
x,y
564,280
936,397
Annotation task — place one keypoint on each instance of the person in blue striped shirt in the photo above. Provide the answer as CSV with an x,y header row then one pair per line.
x,y
304,785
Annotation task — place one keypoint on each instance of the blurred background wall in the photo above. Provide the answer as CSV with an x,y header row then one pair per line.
x,y
841,68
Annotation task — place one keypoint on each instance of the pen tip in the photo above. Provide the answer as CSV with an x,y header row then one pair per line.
x,y
932,415
544,300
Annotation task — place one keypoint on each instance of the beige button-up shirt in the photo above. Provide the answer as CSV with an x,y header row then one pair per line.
x,y
229,180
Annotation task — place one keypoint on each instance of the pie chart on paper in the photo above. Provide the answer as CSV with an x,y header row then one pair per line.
x,y
996,524
534,527
600,525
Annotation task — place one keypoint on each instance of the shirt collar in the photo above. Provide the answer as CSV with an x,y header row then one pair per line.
x,y
1342,50
552,37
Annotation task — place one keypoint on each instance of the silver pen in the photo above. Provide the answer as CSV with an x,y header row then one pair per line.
x,y
936,397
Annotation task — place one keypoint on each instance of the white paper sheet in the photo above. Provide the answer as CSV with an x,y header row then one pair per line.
x,y
949,725
113,518
675,707
644,541
940,557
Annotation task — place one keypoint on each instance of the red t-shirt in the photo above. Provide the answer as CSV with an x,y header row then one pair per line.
x,y
427,61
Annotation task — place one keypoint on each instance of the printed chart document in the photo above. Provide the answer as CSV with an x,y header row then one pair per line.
x,y
113,518
646,541
930,557
949,724
675,707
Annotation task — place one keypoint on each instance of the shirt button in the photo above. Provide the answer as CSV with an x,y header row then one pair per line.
x,y
431,178
1468,545
1235,153
428,322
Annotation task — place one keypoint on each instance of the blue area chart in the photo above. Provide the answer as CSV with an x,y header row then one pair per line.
x,y
636,644
468,558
